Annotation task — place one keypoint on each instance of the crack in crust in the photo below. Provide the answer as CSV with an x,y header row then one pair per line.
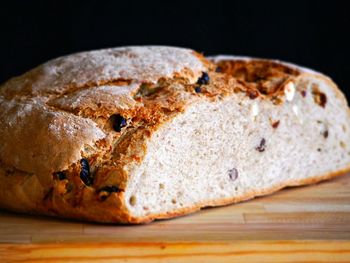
x,y
259,77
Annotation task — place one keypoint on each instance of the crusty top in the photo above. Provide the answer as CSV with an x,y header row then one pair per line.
x,y
140,64
41,131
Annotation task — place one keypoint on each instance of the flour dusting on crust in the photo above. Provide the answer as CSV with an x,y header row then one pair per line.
x,y
44,140
140,64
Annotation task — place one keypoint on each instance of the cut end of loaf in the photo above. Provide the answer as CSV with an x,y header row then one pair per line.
x,y
230,150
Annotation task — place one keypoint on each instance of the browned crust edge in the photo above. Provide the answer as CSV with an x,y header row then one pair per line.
x,y
233,200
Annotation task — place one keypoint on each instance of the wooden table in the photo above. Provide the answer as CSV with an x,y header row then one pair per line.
x,y
310,223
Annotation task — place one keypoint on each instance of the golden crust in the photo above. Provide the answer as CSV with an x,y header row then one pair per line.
x,y
71,114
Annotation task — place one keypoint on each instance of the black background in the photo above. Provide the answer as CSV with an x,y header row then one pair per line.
x,y
310,33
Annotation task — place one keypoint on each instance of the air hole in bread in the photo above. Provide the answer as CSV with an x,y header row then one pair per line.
x,y
233,174
342,144
344,128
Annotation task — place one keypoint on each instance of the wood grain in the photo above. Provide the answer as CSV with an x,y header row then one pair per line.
x,y
253,251
303,224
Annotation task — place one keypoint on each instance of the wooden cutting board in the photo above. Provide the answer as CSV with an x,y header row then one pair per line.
x,y
310,223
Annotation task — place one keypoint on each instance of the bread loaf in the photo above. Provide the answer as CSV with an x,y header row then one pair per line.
x,y
134,134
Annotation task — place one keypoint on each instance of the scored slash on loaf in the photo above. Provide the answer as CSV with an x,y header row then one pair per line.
x,y
134,134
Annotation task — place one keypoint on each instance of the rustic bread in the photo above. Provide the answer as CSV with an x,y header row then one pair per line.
x,y
134,134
